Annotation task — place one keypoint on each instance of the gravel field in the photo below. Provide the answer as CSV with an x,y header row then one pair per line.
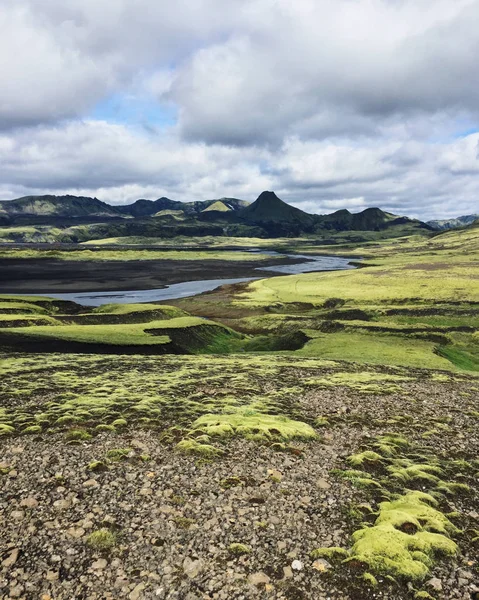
x,y
172,519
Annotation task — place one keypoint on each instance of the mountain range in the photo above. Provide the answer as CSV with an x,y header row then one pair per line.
x,y
268,216
443,224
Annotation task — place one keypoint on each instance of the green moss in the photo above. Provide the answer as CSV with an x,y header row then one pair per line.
x,y
414,508
321,422
78,434
101,540
119,423
32,429
415,472
370,579
6,429
118,454
389,445
102,428
97,465
183,522
237,549
423,595
364,382
331,553
190,446
451,488
368,456
250,423
230,482
386,550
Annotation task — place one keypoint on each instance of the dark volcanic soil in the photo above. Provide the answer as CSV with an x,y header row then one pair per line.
x,y
46,276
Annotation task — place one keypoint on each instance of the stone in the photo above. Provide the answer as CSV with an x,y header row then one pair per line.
x,y
321,565
90,483
99,564
29,502
288,572
435,584
135,594
11,559
192,567
296,565
258,579
16,591
275,475
323,484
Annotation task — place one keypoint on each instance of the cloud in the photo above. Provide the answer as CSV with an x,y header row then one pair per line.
x,y
332,67
119,164
332,103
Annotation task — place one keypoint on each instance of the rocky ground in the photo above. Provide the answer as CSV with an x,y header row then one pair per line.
x,y
171,520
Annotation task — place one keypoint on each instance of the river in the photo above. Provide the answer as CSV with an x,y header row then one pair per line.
x,y
192,288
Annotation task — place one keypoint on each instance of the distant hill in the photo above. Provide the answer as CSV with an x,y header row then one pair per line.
x,y
147,208
268,216
58,206
443,224
370,219
84,206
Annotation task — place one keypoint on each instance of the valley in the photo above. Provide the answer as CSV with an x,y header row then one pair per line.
x,y
293,436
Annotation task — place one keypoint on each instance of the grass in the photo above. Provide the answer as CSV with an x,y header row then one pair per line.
x,y
128,255
378,349
113,335
127,309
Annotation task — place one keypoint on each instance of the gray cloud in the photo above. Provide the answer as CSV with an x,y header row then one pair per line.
x,y
332,103
119,165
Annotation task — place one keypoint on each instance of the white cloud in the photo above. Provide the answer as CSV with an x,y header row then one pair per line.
x,y
332,103
118,165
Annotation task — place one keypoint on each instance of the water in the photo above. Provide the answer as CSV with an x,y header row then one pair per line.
x,y
192,288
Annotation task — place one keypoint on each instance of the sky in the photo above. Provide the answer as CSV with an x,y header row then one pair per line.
x,y
330,103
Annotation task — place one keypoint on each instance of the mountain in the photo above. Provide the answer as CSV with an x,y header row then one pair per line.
x,y
269,208
58,206
84,206
443,224
370,219
148,208
268,216
276,217
218,206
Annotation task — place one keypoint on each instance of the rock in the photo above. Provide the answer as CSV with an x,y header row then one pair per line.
x,y
288,572
29,502
11,559
258,579
99,564
321,565
17,515
323,484
16,591
192,567
90,483
296,565
275,475
281,545
135,594
435,584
